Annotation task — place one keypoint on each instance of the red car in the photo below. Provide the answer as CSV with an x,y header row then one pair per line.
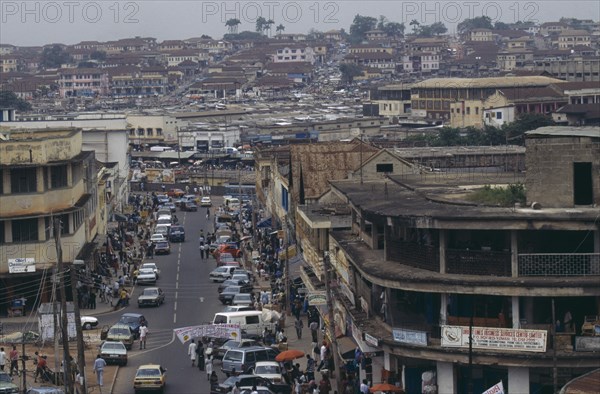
x,y
176,193
227,248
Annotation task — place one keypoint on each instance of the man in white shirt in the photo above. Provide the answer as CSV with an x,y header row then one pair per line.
x,y
192,352
2,359
143,333
364,388
99,365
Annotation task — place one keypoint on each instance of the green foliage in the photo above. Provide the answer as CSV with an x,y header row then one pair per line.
x,y
480,22
360,26
501,26
244,35
260,24
98,55
525,122
232,25
499,196
435,29
349,71
54,57
9,99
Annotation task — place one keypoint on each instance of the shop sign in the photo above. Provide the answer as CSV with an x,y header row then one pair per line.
x,y
410,336
371,340
587,344
21,265
317,298
506,339
225,331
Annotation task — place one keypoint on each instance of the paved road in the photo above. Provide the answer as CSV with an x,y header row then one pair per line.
x,y
190,300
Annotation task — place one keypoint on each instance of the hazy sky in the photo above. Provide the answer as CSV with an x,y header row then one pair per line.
x,y
71,21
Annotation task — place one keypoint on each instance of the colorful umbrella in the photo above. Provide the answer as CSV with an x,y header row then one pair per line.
x,y
289,355
386,387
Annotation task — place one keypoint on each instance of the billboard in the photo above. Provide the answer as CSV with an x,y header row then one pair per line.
x,y
495,338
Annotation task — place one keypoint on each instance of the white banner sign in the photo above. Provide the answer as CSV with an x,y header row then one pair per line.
x,y
227,331
495,338
46,324
495,389
317,298
21,265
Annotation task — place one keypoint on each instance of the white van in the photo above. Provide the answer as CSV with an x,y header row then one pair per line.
x,y
251,322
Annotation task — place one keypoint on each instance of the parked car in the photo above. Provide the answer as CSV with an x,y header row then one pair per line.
x,y
244,299
133,320
151,296
241,277
244,359
237,308
6,384
150,377
233,344
157,237
87,323
206,202
228,248
114,352
270,370
146,276
224,258
121,333
170,206
245,380
232,282
162,247
226,296
220,274
259,390
177,234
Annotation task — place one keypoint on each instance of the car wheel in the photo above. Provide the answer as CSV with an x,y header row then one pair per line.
x,y
87,326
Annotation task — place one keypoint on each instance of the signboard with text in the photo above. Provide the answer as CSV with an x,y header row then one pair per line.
x,y
317,298
227,331
411,337
495,338
21,265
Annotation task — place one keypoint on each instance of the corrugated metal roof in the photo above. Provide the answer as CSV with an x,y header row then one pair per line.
x,y
565,131
494,82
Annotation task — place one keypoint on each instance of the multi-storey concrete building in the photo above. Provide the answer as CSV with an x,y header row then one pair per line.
x,y
421,265
88,82
45,175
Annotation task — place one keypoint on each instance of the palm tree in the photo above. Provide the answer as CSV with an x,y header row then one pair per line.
x,y
280,29
267,26
232,25
415,25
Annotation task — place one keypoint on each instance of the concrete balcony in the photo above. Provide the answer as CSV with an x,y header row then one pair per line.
x,y
43,252
56,200
559,264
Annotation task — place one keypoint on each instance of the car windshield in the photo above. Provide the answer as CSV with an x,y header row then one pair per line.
x,y
162,244
242,297
4,377
230,381
119,331
177,229
130,319
113,346
146,272
150,292
233,356
267,369
231,289
147,372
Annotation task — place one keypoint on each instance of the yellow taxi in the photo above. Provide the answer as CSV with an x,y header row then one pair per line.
x,y
150,377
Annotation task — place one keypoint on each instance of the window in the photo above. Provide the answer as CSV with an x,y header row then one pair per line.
x,y
582,184
284,198
25,230
468,112
476,110
261,355
250,358
385,167
498,115
58,176
2,235
252,319
23,180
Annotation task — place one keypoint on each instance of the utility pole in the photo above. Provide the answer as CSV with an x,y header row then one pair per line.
x,y
331,325
23,367
288,289
554,368
63,307
80,345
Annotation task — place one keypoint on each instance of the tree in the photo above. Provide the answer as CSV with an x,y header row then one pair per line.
x,y
349,71
501,26
480,22
415,25
314,34
260,24
98,55
525,122
360,26
267,26
394,29
438,28
245,36
54,57
382,22
232,25
279,29
9,99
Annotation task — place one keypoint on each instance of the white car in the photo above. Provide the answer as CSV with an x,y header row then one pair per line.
x,y
157,238
241,277
88,322
146,276
242,299
221,274
153,267
270,370
206,202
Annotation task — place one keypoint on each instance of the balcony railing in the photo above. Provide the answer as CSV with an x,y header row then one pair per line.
x,y
478,262
414,254
559,264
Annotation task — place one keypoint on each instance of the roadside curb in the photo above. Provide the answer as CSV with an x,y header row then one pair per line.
x,y
112,385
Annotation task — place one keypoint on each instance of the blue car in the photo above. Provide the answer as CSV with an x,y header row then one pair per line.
x,y
177,234
133,320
